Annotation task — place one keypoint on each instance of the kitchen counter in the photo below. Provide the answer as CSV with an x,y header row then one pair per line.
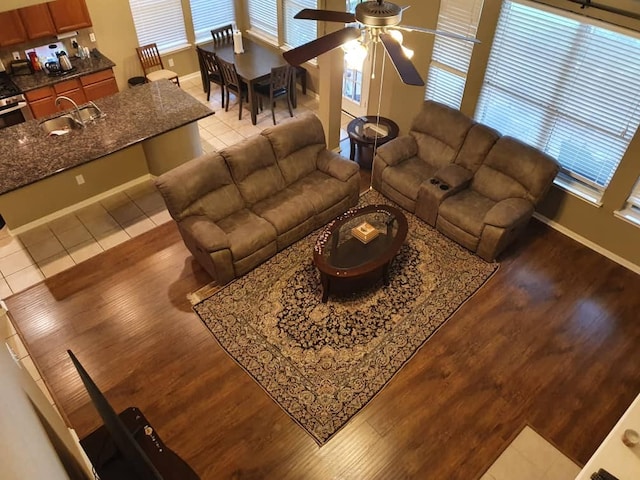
x,y
27,155
95,63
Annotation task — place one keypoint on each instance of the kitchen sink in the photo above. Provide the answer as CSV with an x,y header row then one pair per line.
x,y
89,112
60,125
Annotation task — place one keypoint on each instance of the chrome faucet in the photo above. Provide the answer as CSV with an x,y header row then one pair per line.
x,y
78,117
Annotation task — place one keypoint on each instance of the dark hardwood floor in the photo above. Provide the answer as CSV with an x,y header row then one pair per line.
x,y
552,339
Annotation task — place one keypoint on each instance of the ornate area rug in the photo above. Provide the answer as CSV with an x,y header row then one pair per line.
x,y
322,363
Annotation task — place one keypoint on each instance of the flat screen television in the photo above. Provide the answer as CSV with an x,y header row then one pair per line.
x,y
127,460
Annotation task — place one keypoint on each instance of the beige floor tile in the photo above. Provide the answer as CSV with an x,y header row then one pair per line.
x,y
115,201
111,239
217,144
205,134
85,251
5,291
74,236
141,189
207,147
231,137
150,203
6,327
35,235
249,130
64,224
45,249
17,346
219,128
160,217
28,364
58,263
512,465
100,224
45,390
126,213
24,278
91,211
15,262
138,226
9,245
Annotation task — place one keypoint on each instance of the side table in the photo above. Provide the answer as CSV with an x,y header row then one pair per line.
x,y
367,132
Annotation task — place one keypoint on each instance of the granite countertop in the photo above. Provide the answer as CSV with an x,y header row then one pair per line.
x,y
27,154
95,63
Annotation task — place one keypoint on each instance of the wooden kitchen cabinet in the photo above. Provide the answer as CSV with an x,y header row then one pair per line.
x,y
69,15
99,84
37,21
12,31
42,102
72,89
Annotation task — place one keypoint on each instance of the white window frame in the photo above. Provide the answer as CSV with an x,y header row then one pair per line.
x,y
207,15
160,22
631,209
613,136
449,65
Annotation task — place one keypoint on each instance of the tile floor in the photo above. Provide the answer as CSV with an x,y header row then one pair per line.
x,y
44,251
531,457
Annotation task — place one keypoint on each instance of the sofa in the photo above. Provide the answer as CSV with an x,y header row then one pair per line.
x,y
474,185
237,207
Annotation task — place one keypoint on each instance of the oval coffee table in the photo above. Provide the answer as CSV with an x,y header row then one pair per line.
x,y
347,263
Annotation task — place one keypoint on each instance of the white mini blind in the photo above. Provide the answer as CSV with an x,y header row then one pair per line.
x,y
263,16
567,85
450,60
208,15
631,210
298,32
160,22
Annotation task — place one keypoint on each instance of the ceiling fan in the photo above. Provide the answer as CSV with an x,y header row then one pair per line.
x,y
376,21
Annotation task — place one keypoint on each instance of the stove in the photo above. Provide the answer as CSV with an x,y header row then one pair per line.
x,y
9,94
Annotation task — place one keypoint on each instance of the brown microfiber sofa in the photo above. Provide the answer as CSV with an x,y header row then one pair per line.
x,y
477,187
238,207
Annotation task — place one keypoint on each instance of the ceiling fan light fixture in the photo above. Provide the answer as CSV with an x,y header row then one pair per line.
x,y
354,54
408,52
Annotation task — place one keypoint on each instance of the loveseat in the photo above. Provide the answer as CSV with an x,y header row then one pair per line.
x,y
237,207
477,187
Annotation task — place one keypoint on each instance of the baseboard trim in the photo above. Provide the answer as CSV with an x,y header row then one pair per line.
x,y
588,243
77,206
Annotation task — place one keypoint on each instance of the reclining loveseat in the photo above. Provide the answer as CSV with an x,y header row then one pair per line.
x,y
475,186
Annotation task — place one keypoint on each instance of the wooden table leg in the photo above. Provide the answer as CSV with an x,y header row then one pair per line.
x,y
253,103
352,153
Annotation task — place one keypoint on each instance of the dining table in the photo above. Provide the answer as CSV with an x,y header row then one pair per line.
x,y
253,65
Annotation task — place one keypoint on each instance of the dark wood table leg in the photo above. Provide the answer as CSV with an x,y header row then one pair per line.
x,y
352,153
324,279
253,103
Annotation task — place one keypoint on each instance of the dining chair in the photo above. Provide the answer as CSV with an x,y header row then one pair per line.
x,y
280,85
210,72
222,35
232,83
152,65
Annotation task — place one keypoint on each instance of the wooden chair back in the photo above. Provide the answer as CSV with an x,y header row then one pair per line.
x,y
222,35
208,63
281,79
229,74
149,58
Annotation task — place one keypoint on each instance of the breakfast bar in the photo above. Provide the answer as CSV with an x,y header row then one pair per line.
x,y
144,131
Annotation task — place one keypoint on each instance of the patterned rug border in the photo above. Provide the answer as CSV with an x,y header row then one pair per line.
x,y
211,290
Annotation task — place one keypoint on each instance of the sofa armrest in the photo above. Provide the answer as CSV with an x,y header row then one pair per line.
x,y
336,166
209,236
455,176
509,212
397,150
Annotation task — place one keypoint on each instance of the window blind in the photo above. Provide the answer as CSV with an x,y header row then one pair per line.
x,y
631,210
298,32
450,60
208,15
567,85
263,16
160,22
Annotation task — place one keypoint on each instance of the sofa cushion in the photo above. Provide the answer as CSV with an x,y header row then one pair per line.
x,y
439,132
254,169
479,141
202,186
285,210
299,163
406,177
247,232
467,210
321,190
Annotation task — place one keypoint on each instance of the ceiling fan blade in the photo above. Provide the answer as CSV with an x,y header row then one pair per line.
x,y
404,67
442,33
316,47
325,15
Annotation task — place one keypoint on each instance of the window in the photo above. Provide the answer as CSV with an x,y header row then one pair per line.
x,y
206,16
264,15
298,32
567,85
160,22
631,210
450,60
